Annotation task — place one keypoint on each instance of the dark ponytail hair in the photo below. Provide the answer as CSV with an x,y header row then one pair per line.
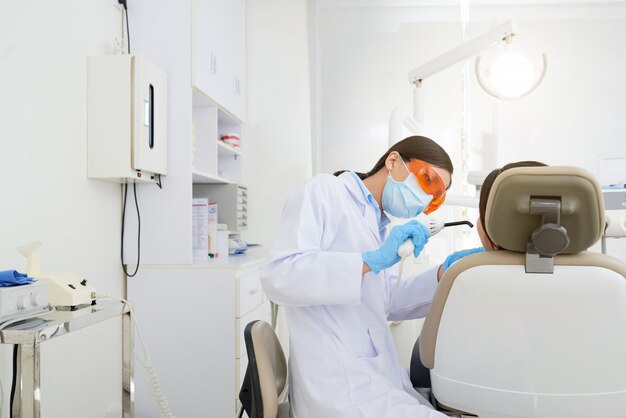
x,y
413,147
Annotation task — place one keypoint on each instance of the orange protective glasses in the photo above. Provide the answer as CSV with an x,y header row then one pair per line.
x,y
431,183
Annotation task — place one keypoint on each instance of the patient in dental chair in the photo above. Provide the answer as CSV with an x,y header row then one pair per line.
x,y
488,244
420,375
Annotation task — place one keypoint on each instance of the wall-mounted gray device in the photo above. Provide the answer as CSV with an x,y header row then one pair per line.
x,y
232,203
126,119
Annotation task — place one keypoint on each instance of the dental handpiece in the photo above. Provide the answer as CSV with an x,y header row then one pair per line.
x,y
434,226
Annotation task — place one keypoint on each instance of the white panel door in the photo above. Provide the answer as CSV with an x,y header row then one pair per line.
x,y
187,319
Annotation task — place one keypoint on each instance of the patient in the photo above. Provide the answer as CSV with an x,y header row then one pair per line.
x,y
488,244
420,375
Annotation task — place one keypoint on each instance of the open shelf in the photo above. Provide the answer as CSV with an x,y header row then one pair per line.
x,y
200,99
225,149
210,154
200,177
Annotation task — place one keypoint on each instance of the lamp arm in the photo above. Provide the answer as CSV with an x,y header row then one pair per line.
x,y
464,51
497,95
418,106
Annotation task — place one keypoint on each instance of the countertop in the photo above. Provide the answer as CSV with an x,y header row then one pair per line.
x,y
252,257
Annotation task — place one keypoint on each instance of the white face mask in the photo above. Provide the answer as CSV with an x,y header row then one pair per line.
x,y
404,199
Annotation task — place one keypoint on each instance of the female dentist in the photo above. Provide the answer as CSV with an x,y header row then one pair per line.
x,y
331,270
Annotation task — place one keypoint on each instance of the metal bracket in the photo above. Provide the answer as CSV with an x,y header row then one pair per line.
x,y
537,263
549,208
547,240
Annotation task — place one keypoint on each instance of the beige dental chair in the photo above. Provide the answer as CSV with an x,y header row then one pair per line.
x,y
537,329
264,390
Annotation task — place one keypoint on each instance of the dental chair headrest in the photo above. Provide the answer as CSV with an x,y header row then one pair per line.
x,y
508,218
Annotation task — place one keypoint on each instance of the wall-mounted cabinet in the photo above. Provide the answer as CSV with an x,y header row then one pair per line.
x,y
218,52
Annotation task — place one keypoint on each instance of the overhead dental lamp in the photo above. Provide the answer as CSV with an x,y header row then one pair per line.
x,y
511,74
510,77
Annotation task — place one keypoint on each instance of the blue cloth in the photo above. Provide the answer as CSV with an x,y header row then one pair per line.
x,y
14,278
387,255
457,255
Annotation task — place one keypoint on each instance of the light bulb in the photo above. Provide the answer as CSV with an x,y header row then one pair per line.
x,y
511,74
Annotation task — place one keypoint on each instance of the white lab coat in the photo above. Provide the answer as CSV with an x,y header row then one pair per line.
x,y
342,358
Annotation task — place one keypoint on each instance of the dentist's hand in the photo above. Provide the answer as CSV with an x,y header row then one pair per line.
x,y
387,255
456,256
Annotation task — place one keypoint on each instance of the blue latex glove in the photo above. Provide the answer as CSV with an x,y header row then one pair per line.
x,y
13,278
457,255
387,255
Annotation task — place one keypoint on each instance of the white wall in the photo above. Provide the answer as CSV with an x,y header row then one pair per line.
x,y
43,50
277,132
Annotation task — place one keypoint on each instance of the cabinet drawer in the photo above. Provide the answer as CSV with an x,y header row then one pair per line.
x,y
263,313
249,293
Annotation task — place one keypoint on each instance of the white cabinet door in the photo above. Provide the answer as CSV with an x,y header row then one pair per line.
x,y
239,52
227,14
219,39
187,320
208,48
